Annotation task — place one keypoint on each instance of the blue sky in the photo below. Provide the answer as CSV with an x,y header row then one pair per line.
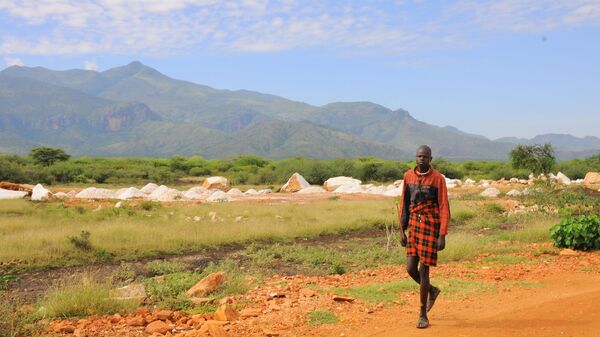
x,y
496,68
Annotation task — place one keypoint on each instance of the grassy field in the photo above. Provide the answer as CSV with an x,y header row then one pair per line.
x,y
52,234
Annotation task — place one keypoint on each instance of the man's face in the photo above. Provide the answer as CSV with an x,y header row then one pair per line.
x,y
423,158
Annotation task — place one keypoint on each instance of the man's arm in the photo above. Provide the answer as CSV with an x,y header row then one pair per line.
x,y
444,213
404,212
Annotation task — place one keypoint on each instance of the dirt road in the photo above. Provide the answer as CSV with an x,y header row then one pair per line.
x,y
567,305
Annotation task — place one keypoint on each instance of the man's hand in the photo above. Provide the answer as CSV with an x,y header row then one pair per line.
x,y
441,242
403,238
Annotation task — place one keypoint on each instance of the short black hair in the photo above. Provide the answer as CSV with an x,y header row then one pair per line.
x,y
424,147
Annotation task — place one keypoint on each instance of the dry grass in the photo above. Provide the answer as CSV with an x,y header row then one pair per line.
x,y
38,234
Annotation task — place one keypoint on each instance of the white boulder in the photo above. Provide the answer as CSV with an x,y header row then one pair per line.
x,y
333,183
490,192
39,193
393,192
312,189
149,188
295,183
160,190
514,193
220,183
349,188
219,196
235,191
251,192
131,193
96,193
10,194
563,179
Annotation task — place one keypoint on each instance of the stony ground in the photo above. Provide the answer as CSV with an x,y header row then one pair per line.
x,y
544,295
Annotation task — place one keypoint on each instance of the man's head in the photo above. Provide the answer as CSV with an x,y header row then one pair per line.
x,y
423,157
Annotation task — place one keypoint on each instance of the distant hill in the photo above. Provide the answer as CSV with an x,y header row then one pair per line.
x,y
561,141
135,110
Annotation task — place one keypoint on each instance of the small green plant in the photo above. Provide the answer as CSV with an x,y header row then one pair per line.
x,y
149,205
5,280
379,292
581,233
123,273
82,241
337,269
164,267
318,317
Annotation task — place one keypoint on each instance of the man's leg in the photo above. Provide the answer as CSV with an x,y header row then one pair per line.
x,y
412,267
425,287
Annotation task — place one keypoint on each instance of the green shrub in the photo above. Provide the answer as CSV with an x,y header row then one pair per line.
x,y
582,233
81,242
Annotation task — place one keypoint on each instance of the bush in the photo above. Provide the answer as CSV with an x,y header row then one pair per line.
x,y
581,233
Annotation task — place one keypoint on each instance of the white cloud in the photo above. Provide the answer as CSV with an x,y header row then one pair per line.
x,y
49,27
13,61
90,65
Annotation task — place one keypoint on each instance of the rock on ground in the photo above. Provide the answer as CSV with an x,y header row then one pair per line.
x,y
514,193
490,192
134,291
592,178
220,183
312,189
349,188
95,193
563,179
39,193
10,194
149,188
294,184
130,193
207,285
333,183
219,196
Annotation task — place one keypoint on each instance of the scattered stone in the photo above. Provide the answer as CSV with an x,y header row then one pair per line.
x,y
163,315
219,196
136,321
294,184
239,218
119,204
235,191
340,298
251,192
265,191
149,188
513,193
396,192
157,327
276,295
39,193
226,312
490,192
207,285
306,292
220,183
196,218
215,329
250,312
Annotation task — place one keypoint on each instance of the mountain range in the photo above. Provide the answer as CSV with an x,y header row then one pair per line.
x,y
134,110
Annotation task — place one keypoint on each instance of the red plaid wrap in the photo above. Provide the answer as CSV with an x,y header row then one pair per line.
x,y
423,232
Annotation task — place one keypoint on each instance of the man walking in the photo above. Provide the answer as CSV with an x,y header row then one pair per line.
x,y
425,213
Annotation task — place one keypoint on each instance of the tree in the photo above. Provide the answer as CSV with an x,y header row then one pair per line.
x,y
46,156
536,158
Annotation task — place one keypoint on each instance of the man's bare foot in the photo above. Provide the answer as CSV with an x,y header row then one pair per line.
x,y
423,322
433,294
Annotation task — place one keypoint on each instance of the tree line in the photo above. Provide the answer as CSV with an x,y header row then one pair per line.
x,y
55,166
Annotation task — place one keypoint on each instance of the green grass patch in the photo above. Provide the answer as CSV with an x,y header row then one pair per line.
x,y
320,317
379,292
